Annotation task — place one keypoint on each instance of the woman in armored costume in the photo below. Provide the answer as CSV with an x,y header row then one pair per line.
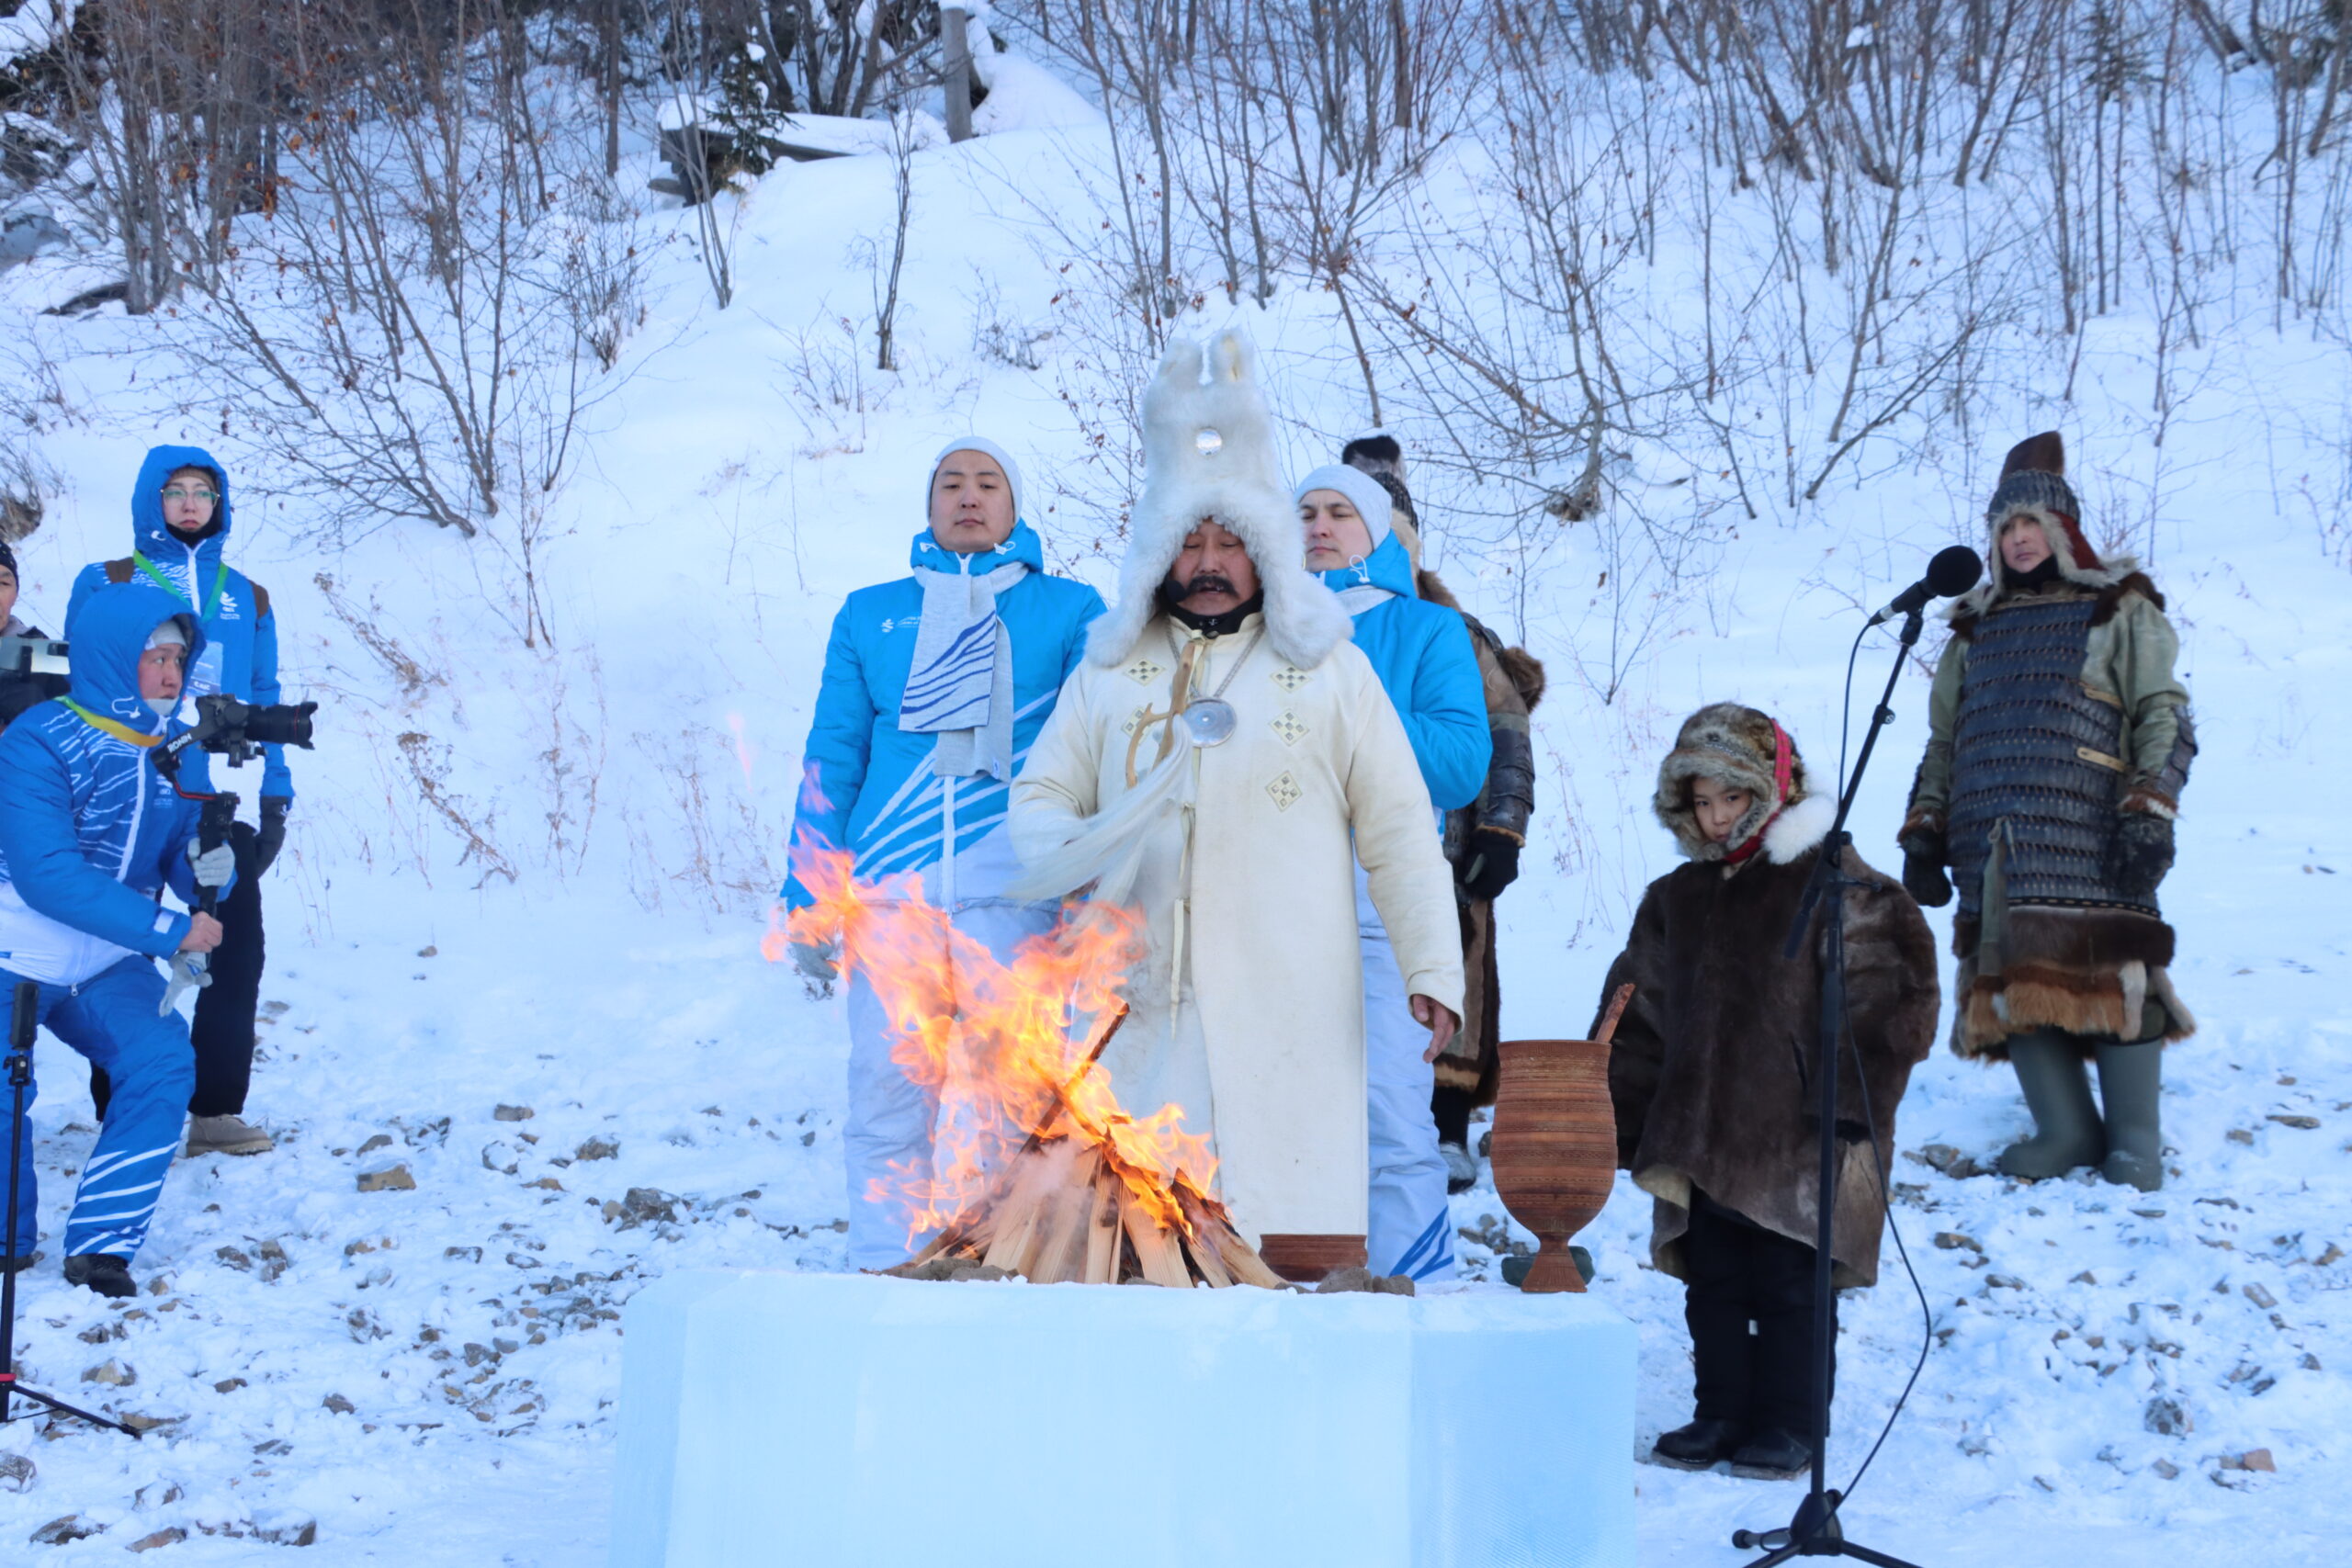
x,y
2060,741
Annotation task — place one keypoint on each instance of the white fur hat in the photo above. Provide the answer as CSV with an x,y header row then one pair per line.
x,y
1209,452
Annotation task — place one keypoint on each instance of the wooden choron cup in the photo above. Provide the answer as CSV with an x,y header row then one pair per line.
x,y
1555,1142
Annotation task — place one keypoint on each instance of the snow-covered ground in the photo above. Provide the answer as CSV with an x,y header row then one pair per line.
x,y
425,1376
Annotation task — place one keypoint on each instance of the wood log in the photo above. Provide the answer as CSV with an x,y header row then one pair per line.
x,y
1035,1179
1213,1227
1242,1261
1060,1100
1159,1253
1202,1244
1102,1239
1201,1249
1064,1225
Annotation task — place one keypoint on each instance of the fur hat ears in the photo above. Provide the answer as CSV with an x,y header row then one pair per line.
x,y
1380,457
1208,456
1737,746
2034,481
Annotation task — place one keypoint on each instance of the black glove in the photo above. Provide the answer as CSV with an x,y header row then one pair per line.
x,y
2138,854
272,836
1923,870
1490,864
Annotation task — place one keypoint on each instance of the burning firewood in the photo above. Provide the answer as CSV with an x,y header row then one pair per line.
x,y
1070,1209
1042,1172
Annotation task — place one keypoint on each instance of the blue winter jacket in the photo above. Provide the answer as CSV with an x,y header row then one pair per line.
x,y
868,785
240,626
90,832
1423,656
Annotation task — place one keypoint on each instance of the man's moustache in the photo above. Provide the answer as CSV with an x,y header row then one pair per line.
x,y
1208,582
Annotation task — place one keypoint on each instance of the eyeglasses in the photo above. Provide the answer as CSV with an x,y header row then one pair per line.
x,y
179,493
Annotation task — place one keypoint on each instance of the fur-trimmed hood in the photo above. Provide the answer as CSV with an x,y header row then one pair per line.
x,y
2033,483
1744,748
1209,454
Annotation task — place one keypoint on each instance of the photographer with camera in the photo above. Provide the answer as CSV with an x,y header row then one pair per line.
x,y
91,831
180,521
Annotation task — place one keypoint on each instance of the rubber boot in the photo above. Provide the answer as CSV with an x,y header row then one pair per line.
x,y
2068,1134
2131,1082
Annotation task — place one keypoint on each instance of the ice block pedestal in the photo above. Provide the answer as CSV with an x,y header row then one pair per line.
x,y
837,1421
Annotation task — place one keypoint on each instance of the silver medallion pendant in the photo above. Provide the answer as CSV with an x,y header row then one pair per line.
x,y
1209,721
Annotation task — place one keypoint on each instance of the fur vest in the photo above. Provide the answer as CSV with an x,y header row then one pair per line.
x,y
1710,1066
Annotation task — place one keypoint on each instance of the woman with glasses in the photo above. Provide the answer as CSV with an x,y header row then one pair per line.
x,y
180,519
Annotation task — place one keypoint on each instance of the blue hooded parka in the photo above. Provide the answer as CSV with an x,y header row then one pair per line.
x,y
869,786
1422,654
90,831
236,620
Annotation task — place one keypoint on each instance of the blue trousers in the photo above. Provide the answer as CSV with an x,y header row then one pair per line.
x,y
891,1119
1412,1218
111,1020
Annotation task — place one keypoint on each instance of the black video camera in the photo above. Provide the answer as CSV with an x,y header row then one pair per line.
x,y
229,727
32,670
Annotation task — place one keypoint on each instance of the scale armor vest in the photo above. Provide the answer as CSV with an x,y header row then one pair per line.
x,y
2035,756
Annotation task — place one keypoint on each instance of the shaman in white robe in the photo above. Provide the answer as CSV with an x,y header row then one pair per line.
x,y
1247,1004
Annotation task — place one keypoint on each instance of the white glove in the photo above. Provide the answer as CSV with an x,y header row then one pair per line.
x,y
214,866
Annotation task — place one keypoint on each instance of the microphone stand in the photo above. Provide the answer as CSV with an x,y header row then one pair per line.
x,y
26,1009
1814,1532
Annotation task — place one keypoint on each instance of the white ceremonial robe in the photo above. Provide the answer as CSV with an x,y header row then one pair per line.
x,y
1247,1004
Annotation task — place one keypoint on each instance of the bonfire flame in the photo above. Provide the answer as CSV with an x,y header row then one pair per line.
x,y
1001,1045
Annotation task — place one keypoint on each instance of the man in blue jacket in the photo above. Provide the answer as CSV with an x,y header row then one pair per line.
x,y
934,687
180,519
90,834
1426,663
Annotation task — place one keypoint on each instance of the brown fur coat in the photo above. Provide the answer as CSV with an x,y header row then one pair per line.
x,y
1513,680
1709,1067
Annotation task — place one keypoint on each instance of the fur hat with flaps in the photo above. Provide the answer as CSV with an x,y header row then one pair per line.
x,y
1380,457
1208,455
1745,750
2033,483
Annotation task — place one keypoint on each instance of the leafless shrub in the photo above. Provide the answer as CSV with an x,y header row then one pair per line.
x,y
182,107
998,336
824,383
367,627
428,765
886,281
420,325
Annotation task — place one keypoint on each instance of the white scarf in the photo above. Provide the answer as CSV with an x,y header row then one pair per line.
x,y
960,685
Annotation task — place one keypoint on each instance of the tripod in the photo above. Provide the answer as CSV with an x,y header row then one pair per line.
x,y
21,1017
1815,1532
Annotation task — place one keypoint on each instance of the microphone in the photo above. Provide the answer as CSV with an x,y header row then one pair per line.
x,y
1954,569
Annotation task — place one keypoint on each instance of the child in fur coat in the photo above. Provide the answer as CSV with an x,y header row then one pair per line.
x,y
1710,1072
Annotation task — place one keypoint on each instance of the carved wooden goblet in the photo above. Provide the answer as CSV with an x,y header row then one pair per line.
x,y
1555,1143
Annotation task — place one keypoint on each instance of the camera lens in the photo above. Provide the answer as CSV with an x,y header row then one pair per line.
x,y
281,725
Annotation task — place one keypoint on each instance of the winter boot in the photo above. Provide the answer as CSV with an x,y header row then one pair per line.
x,y
226,1135
1699,1445
2131,1081
1460,1170
2058,1092
1774,1454
102,1272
